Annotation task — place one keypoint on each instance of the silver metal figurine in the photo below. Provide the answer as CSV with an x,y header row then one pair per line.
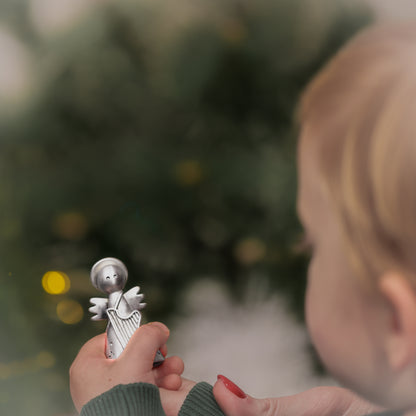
x,y
109,275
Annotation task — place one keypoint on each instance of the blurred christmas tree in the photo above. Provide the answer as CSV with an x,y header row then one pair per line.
x,y
158,132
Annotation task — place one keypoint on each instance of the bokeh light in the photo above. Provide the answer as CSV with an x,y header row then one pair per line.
x,y
188,172
69,311
250,250
234,31
16,80
43,360
52,18
55,282
71,226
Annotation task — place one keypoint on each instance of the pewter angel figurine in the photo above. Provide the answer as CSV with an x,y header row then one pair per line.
x,y
109,275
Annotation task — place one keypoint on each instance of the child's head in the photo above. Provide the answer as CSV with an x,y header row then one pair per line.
x,y
357,200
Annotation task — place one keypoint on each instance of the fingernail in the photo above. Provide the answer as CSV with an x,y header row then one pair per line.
x,y
232,387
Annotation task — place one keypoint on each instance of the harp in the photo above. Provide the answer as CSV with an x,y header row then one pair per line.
x,y
124,328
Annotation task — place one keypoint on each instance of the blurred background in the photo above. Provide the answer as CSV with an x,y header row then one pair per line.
x,y
162,133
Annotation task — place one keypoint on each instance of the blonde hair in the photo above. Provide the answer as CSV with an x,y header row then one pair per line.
x,y
359,114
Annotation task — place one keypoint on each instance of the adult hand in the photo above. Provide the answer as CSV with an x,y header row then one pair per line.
x,y
92,374
318,401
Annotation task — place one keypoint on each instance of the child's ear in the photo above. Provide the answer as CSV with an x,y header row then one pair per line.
x,y
401,326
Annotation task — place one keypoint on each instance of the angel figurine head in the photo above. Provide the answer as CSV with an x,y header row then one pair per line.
x,y
109,275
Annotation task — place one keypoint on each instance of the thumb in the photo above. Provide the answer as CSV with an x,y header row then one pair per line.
x,y
145,342
234,402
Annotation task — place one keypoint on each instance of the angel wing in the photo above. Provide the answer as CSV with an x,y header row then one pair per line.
x,y
134,298
99,308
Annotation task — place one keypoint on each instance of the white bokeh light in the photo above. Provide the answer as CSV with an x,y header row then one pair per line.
x,y
16,72
51,18
258,344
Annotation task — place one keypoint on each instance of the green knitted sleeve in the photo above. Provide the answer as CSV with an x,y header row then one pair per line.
x,y
125,400
200,402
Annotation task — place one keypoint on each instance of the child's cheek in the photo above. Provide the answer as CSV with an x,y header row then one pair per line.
x,y
312,301
317,305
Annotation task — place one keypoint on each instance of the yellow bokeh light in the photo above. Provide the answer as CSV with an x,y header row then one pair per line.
x,y
69,311
45,359
71,226
234,31
188,172
250,250
55,283
4,371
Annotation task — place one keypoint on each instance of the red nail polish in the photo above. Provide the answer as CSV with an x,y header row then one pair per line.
x,y
232,387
